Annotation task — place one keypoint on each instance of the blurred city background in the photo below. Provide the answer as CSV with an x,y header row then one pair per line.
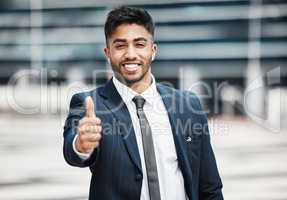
x,y
231,53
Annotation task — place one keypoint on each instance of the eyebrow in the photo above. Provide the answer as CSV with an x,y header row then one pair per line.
x,y
119,40
135,40
140,39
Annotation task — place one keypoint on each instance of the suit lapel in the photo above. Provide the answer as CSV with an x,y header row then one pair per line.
x,y
115,104
171,101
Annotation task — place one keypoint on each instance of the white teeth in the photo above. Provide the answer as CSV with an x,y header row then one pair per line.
x,y
131,67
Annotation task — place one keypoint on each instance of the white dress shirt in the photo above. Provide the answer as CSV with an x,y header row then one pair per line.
x,y
170,177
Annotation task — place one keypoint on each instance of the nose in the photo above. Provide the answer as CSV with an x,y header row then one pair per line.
x,y
130,53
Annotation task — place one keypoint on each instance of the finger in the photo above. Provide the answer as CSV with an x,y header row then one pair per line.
x,y
89,129
90,121
89,105
92,129
93,137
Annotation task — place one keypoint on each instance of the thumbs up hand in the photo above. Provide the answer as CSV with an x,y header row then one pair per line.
x,y
89,129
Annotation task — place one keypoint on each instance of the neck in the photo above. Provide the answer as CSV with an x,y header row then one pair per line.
x,y
142,85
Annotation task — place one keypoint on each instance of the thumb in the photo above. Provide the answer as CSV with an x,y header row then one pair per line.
x,y
89,106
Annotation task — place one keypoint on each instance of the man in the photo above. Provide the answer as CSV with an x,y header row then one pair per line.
x,y
141,140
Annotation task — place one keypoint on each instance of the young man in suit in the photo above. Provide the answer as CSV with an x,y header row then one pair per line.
x,y
141,140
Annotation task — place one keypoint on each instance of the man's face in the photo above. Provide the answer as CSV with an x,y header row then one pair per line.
x,y
130,51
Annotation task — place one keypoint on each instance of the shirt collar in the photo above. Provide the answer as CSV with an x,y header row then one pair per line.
x,y
128,94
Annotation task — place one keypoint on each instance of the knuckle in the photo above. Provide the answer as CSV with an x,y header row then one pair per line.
x,y
98,120
86,129
99,137
96,129
100,128
82,130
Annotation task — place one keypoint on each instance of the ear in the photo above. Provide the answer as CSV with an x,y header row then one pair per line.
x,y
107,53
154,50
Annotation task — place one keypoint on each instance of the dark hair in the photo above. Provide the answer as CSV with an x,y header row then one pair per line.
x,y
129,15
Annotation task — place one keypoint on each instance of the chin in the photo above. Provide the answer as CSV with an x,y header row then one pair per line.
x,y
130,80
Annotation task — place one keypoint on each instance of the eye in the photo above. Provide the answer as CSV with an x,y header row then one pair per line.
x,y
140,45
119,46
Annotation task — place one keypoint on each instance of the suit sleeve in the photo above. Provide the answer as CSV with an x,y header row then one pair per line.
x,y
210,185
76,112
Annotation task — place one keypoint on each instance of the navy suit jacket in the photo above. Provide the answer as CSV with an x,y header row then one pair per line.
x,y
115,164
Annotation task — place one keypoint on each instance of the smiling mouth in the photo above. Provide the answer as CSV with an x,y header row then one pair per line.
x,y
131,67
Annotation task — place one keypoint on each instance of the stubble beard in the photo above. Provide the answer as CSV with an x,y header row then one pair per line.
x,y
126,81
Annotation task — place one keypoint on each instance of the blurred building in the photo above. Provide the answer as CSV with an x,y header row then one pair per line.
x,y
221,44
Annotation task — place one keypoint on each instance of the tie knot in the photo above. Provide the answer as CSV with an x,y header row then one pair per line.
x,y
139,101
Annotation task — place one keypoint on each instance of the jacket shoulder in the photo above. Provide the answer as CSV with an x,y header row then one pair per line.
x,y
80,97
178,93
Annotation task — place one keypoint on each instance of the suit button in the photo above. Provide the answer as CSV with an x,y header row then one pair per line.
x,y
138,177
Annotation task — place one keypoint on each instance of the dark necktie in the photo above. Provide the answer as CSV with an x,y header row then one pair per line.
x,y
150,161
